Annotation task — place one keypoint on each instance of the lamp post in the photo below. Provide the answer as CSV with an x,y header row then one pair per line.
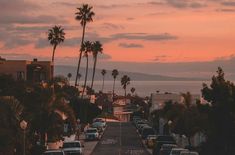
x,y
23,125
169,125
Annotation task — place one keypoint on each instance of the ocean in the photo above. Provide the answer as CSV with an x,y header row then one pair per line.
x,y
145,88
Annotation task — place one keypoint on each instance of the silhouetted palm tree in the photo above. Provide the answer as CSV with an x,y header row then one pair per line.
x,y
114,74
69,75
84,15
87,49
56,35
103,72
96,49
125,80
132,90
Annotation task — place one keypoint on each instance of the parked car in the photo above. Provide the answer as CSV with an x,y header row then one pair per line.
x,y
165,138
99,126
141,126
177,151
147,131
150,140
160,140
54,152
166,149
92,134
73,148
188,153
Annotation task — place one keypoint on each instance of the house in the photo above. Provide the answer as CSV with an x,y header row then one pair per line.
x,y
121,113
158,100
33,71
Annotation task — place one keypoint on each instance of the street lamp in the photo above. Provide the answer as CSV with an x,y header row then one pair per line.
x,y
169,125
23,125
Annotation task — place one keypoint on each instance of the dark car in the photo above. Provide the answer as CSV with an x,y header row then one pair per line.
x,y
147,131
165,138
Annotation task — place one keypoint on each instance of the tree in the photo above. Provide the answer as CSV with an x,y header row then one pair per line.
x,y
56,36
125,80
187,99
87,49
114,74
221,129
96,49
69,76
84,15
103,72
132,90
10,116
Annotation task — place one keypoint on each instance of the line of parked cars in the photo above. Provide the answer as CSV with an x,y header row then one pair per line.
x,y
160,144
93,132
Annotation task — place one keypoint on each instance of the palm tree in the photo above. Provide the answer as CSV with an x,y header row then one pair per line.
x,y
125,80
56,36
84,15
96,49
69,75
103,72
87,49
132,90
114,74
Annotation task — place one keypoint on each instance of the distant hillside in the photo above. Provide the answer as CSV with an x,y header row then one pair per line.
x,y
64,70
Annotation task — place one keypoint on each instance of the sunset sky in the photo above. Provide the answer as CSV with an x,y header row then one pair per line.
x,y
146,32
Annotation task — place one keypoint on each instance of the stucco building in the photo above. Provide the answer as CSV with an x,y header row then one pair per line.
x,y
33,71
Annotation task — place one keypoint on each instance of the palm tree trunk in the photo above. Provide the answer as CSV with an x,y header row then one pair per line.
x,y
80,55
53,53
85,76
93,75
114,86
103,84
125,95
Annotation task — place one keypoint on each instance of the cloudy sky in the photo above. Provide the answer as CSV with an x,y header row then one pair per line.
x,y
170,37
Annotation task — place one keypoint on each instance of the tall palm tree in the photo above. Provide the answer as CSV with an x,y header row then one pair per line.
x,y
125,80
56,36
96,49
114,74
87,49
103,72
84,15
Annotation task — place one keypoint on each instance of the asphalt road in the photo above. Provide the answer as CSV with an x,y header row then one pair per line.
x,y
120,139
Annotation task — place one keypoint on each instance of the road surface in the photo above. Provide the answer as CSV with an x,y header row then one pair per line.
x,y
120,139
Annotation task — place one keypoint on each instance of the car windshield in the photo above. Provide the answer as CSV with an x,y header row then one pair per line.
x,y
91,131
69,145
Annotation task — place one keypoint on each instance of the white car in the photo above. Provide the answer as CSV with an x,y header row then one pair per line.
x,y
92,134
73,148
177,151
188,153
54,152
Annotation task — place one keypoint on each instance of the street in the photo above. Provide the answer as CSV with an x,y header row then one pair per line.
x,y
120,139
